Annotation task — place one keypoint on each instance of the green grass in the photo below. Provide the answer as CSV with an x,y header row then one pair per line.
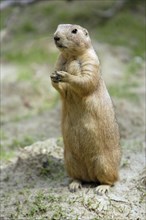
x,y
37,207
6,155
123,91
126,29
3,136
27,27
30,55
25,141
125,87
133,145
133,66
41,205
7,151
49,9
25,75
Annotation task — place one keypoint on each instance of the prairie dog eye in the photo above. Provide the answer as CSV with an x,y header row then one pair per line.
x,y
74,31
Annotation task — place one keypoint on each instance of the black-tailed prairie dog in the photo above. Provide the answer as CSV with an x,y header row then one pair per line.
x,y
89,128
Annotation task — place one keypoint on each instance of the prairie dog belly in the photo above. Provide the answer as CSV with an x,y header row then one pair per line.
x,y
79,128
81,149
86,135
73,67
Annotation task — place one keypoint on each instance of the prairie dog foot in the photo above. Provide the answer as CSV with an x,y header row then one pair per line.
x,y
75,185
102,189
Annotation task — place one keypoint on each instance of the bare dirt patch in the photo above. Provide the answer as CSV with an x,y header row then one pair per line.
x,y
35,186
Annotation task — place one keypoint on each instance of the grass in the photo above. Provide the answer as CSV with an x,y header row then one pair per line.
x,y
126,30
27,27
53,168
6,155
125,87
30,54
37,207
3,135
123,91
41,205
134,66
7,151
25,75
26,141
133,145
52,206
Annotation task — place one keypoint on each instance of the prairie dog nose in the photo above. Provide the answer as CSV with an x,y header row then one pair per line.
x,y
56,38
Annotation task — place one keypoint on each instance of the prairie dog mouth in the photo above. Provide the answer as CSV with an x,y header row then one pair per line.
x,y
59,45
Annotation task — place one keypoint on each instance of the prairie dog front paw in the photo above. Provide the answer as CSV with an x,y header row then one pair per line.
x,y
59,76
55,77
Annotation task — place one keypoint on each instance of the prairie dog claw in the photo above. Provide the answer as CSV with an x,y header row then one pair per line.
x,y
75,185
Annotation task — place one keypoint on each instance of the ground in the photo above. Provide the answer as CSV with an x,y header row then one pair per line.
x,y
34,184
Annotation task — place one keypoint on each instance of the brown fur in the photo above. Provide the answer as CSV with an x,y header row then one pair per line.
x,y
90,131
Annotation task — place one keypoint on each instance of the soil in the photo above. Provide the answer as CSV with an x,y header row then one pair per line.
x,y
34,184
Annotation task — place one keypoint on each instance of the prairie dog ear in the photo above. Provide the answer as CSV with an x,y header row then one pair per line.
x,y
85,31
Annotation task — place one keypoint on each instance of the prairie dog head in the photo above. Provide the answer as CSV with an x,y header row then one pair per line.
x,y
71,38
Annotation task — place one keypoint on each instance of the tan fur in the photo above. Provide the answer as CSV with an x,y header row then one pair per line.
x,y
90,131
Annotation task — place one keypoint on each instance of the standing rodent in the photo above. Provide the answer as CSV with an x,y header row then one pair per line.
x,y
90,131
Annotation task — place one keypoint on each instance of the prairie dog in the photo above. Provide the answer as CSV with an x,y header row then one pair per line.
x,y
89,127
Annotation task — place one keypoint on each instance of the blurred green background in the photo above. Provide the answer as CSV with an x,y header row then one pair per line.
x,y
30,108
